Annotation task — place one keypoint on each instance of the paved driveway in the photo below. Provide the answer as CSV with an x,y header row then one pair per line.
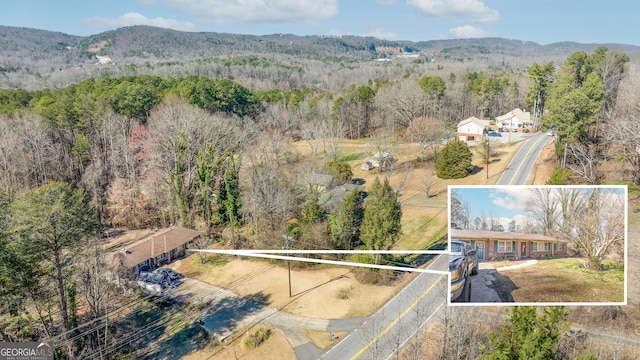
x,y
489,286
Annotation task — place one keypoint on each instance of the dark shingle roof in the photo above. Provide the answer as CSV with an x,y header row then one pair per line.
x,y
154,245
473,234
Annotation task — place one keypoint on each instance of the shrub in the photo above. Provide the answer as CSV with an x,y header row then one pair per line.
x,y
340,170
559,177
454,161
256,337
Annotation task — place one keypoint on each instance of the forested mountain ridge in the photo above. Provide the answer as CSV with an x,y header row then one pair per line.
x,y
34,59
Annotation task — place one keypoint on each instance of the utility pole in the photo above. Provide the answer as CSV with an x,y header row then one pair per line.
x,y
287,238
488,155
510,129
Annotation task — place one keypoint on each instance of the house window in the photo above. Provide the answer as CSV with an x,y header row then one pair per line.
x,y
558,247
505,246
540,246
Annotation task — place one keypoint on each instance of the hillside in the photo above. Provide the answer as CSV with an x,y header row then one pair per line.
x,y
34,59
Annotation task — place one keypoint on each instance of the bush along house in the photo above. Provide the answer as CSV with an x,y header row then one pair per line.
x,y
497,245
151,252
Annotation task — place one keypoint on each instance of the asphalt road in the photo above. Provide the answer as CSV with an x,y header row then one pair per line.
x,y
386,331
518,170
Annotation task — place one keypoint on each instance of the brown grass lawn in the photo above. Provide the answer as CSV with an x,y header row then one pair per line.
x,y
319,292
566,280
276,347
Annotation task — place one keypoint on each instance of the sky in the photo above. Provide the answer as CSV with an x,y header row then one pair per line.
x,y
506,203
540,21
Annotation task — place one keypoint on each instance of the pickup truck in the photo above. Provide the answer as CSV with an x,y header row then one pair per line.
x,y
463,262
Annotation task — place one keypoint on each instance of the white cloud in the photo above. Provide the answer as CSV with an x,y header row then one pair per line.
x,y
512,198
467,31
229,12
467,10
134,18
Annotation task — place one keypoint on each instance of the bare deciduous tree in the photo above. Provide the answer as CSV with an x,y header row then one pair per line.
x,y
584,162
543,207
621,132
427,132
596,225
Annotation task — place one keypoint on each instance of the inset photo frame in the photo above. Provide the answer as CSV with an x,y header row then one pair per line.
x,y
538,245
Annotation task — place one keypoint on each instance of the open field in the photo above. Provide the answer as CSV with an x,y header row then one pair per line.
x,y
319,292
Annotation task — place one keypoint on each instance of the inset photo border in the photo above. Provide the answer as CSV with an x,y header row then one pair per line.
x,y
538,245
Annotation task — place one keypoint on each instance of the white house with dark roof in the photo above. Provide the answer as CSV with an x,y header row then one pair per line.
x,y
472,129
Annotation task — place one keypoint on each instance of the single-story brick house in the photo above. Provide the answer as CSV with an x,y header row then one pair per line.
x,y
513,245
162,247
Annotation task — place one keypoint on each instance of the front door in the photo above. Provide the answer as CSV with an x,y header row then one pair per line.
x,y
480,250
524,250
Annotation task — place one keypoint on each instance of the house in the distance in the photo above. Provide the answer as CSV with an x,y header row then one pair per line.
x,y
162,247
514,119
491,245
322,182
472,129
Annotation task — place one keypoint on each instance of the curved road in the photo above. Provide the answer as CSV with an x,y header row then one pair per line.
x,y
518,170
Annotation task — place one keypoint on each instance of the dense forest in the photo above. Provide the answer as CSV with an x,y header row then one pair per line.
x,y
156,137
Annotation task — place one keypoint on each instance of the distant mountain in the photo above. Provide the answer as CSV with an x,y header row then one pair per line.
x,y
34,58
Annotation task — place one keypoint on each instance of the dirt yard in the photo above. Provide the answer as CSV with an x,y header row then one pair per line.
x,y
323,292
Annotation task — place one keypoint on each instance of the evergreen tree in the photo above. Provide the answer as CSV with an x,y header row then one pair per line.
x,y
529,334
209,162
52,224
312,212
381,224
345,225
229,194
541,77
454,161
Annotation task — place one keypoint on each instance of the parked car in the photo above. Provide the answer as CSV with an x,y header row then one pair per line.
x,y
494,133
152,277
170,273
155,278
155,289
463,262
